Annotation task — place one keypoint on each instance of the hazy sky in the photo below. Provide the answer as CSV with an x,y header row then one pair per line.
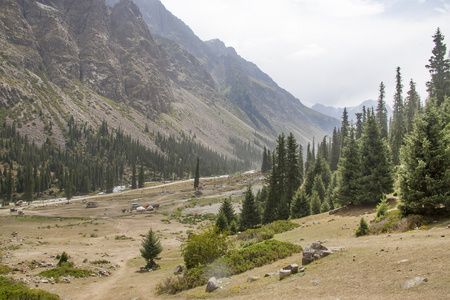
x,y
334,52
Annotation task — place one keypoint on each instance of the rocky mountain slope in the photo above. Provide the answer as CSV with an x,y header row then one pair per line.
x,y
63,58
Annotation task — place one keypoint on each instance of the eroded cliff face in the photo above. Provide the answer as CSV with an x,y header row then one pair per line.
x,y
109,50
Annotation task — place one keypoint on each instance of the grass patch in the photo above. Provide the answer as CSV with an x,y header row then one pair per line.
x,y
254,236
5,270
235,262
65,271
11,289
393,222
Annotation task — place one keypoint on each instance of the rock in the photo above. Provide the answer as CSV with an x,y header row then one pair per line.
x,y
314,252
402,261
285,273
270,274
212,285
179,269
413,282
44,281
292,267
316,282
252,278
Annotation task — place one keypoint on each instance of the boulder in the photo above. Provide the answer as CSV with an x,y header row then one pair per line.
x,y
179,269
212,285
413,282
314,252
292,267
285,273
252,278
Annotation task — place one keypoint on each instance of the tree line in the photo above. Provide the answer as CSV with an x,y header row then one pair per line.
x,y
363,162
94,160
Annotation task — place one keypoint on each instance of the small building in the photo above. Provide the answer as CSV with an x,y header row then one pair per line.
x,y
92,204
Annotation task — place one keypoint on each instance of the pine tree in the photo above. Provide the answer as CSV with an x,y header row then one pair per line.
x,y
325,207
424,176
222,222
412,105
270,213
197,174
320,168
397,128
141,177
347,189
335,150
319,187
345,126
29,184
265,167
151,248
376,177
249,215
363,228
315,203
382,116
293,176
359,125
227,209
300,205
133,177
439,68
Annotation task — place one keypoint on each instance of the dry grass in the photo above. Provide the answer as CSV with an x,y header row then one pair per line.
x,y
369,269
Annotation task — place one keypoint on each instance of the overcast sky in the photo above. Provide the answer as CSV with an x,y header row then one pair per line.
x,y
333,52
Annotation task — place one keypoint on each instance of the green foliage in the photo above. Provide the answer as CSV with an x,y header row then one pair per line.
x,y
235,262
64,258
197,174
227,209
5,270
151,248
325,207
363,228
65,270
424,176
222,222
315,203
382,208
250,214
100,262
14,290
397,128
205,247
300,205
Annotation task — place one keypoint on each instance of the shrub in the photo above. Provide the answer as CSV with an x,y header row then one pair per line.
x,y
363,228
65,271
11,289
100,262
382,208
63,258
235,262
5,270
204,248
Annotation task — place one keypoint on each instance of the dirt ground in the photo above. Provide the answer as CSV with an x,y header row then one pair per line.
x,y
368,269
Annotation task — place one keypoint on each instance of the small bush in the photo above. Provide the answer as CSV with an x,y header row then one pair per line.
x,y
65,271
63,258
235,262
101,262
382,209
363,228
11,289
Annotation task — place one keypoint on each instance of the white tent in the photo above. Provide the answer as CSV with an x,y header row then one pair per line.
x,y
140,208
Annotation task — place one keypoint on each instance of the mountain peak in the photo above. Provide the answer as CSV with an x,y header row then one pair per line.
x,y
220,49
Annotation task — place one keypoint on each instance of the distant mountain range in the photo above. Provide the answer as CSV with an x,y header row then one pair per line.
x,y
336,112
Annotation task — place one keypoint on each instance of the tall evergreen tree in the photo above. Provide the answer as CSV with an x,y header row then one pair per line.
x,y
293,176
28,183
347,189
382,116
249,214
321,168
319,187
133,177
376,177
315,203
270,213
227,209
300,205
412,105
397,128
359,125
151,248
141,177
197,174
439,68
424,176
345,126
265,161
335,150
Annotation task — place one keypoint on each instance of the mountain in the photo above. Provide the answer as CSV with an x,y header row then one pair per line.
x,y
336,112
269,108
90,62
